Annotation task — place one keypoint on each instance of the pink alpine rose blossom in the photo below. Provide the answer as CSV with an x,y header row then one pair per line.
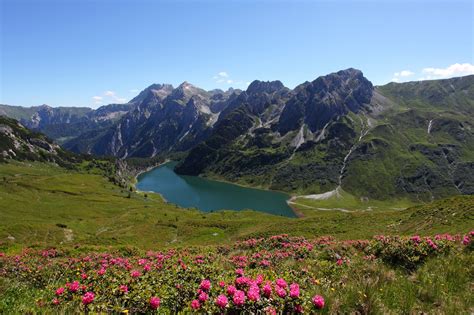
x,y
267,290
254,293
203,297
124,288
281,283
73,287
239,298
88,298
318,301
222,301
205,285
195,305
154,302
135,274
466,240
231,290
298,309
294,291
280,292
59,291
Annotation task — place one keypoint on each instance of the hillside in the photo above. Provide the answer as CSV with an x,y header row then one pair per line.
x,y
81,206
337,134
19,143
65,123
340,133
84,244
279,274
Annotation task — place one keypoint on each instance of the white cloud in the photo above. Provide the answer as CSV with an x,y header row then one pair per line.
x,y
224,78
406,73
109,93
402,74
455,70
97,99
108,97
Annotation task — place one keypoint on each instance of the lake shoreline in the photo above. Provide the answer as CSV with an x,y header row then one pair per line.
x,y
295,212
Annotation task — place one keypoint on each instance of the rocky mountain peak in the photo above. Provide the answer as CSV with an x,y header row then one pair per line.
x,y
185,91
159,91
264,87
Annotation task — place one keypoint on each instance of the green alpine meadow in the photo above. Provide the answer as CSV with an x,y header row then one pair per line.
x,y
243,157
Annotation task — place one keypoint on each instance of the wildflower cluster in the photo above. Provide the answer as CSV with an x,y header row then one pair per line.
x,y
280,274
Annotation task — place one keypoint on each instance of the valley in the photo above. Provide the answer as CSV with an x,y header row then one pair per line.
x,y
354,179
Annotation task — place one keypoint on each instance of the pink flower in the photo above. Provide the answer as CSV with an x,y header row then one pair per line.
x,y
280,292
431,243
239,298
222,301
195,304
254,293
267,290
205,285
466,240
88,298
73,287
135,274
231,290
339,262
146,268
101,272
154,302
270,311
281,283
56,302
318,301
298,309
221,284
203,296
123,289
239,272
59,291
416,239
242,281
265,263
83,276
294,291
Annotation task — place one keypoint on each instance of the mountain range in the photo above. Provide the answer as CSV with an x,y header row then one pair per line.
x,y
338,132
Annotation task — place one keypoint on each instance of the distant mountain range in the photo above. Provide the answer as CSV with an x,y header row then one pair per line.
x,y
412,139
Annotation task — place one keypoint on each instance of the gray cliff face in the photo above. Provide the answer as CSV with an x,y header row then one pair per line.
x,y
163,119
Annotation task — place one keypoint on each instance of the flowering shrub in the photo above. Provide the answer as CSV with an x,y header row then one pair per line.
x,y
411,252
280,274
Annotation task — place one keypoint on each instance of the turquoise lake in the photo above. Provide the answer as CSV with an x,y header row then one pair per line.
x,y
210,195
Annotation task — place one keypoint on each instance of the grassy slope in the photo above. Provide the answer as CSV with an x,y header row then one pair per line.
x,y
38,200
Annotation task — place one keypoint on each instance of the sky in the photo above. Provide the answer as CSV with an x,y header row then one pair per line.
x,y
96,52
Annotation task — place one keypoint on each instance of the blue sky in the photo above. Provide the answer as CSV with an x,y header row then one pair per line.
x,y
94,52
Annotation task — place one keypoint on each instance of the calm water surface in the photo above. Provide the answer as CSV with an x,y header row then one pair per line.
x,y
209,195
